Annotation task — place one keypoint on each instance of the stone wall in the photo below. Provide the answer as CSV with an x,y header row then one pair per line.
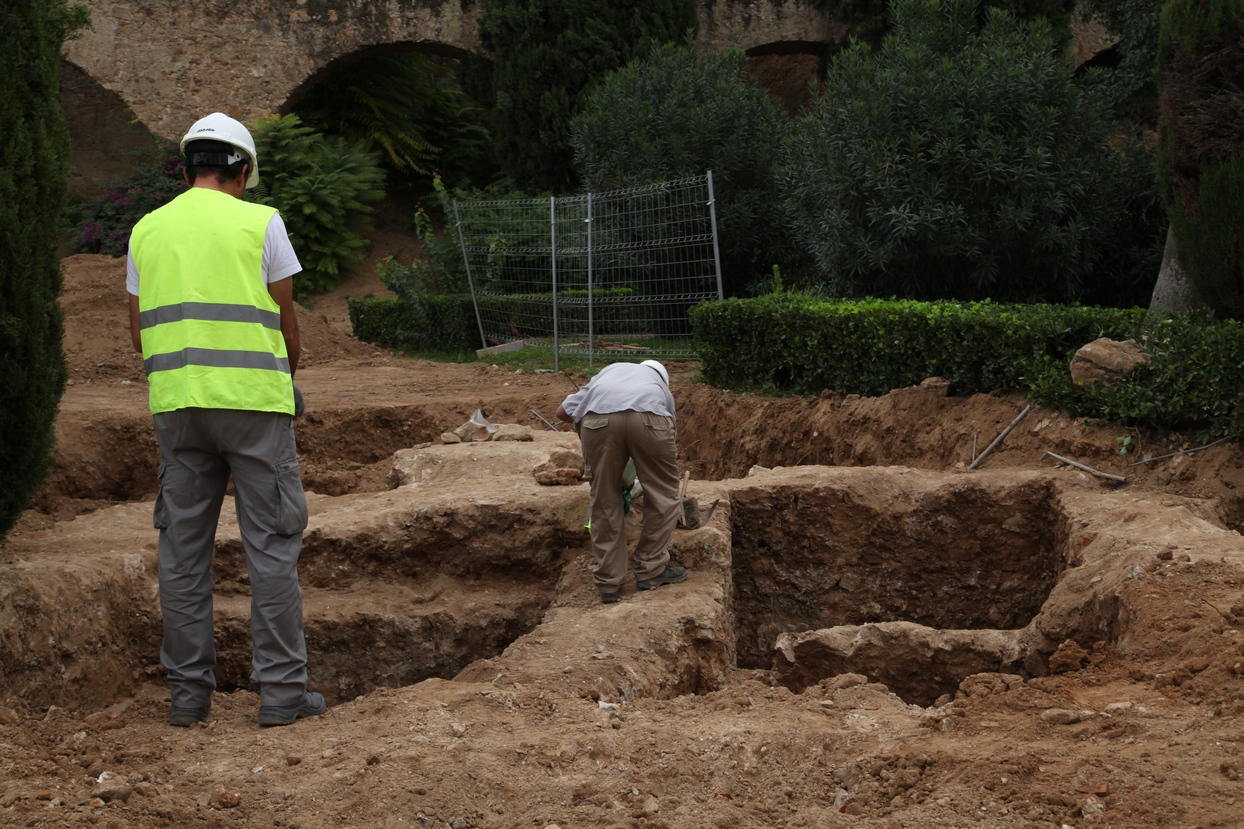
x,y
172,62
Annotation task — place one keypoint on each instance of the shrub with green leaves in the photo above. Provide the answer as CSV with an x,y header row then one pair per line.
x,y
1201,149
427,322
965,163
1192,380
547,54
1135,23
108,219
410,109
677,112
325,188
439,268
34,169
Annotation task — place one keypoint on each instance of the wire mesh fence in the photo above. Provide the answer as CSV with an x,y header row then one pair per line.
x,y
607,275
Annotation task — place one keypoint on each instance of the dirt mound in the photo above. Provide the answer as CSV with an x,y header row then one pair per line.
x,y
97,325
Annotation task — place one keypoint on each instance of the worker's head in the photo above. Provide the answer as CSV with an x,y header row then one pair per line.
x,y
221,146
659,369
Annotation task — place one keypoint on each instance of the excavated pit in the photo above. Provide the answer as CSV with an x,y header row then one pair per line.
x,y
954,558
463,555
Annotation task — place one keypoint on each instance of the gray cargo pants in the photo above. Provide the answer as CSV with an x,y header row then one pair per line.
x,y
199,448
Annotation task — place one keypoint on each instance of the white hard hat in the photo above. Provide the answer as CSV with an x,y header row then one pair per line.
x,y
220,127
658,368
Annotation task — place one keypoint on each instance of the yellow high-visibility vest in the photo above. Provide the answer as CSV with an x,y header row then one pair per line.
x,y
211,332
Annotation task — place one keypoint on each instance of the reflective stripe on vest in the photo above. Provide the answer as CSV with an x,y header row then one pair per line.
x,y
211,332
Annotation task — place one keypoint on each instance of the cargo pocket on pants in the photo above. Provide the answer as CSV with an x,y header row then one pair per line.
x,y
291,508
159,514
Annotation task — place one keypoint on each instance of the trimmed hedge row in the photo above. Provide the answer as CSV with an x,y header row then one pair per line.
x,y
804,345
1193,380
424,322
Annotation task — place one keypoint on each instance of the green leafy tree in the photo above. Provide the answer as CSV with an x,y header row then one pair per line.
x,y
34,169
410,109
547,54
324,188
676,113
870,20
964,163
1135,23
1201,146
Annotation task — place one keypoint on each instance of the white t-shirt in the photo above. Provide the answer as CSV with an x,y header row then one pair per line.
x,y
279,259
620,387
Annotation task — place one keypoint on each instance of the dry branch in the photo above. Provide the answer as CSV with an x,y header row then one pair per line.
x,y
1116,478
977,461
1180,452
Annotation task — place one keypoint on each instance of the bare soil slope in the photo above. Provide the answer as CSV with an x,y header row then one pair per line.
x,y
476,682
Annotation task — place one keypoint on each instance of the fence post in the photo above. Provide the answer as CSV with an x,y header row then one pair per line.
x,y
553,256
712,212
591,334
466,260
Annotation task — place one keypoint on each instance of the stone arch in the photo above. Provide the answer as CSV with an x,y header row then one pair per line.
x,y
107,139
172,62
787,69
440,50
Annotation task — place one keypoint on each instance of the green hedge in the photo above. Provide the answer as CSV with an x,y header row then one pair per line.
x,y
796,344
422,323
803,345
1193,381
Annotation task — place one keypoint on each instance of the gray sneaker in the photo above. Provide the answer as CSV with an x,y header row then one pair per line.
x,y
312,705
670,575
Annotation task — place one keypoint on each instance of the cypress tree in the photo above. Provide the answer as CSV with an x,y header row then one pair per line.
x,y
34,165
1201,148
547,54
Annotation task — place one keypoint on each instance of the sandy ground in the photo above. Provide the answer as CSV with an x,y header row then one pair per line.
x,y
872,636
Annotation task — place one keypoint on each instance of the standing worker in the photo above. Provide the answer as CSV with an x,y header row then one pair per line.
x,y
626,413
210,279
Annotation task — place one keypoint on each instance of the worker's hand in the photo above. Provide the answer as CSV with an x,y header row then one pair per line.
x,y
299,405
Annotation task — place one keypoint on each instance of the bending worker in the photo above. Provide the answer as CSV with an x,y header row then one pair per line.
x,y
210,279
626,413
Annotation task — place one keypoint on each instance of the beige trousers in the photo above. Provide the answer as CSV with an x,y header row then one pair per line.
x,y
609,441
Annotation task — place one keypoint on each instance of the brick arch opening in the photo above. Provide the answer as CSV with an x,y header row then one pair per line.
x,y
432,49
107,140
786,69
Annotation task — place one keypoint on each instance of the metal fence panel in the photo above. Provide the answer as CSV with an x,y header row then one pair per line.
x,y
607,275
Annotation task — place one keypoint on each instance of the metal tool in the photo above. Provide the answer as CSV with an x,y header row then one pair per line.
x,y
546,423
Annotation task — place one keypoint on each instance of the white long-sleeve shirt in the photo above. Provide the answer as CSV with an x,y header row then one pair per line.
x,y
621,387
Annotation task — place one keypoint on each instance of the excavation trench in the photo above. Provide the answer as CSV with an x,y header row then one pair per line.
x,y
458,555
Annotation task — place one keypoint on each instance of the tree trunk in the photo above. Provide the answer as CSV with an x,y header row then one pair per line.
x,y
1174,292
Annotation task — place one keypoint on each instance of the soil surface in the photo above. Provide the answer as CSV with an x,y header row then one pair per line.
x,y
873,634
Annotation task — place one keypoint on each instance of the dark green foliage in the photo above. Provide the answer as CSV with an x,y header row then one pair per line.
x,y
440,268
675,113
803,345
410,109
1135,23
1201,148
871,19
34,169
966,164
419,323
1193,381
324,188
108,219
547,54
